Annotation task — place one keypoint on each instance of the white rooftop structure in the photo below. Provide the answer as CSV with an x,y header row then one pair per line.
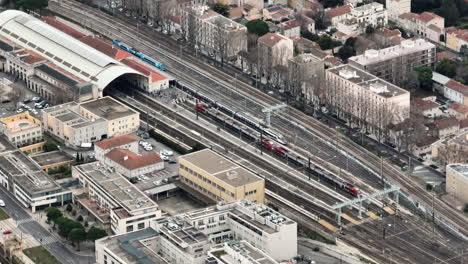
x,y
461,169
406,47
439,78
60,48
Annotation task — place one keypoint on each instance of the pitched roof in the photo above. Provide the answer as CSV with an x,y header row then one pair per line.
x,y
130,160
459,33
424,105
459,87
53,21
144,70
459,108
428,16
463,123
409,16
426,141
434,28
445,55
29,57
270,39
446,122
115,141
290,24
386,32
105,47
175,19
338,11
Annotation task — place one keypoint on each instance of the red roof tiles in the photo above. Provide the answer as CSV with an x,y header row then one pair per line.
x,y
63,27
386,32
270,39
428,16
464,123
291,24
459,108
445,55
424,105
131,161
116,141
459,87
29,57
459,33
144,70
105,47
446,122
339,11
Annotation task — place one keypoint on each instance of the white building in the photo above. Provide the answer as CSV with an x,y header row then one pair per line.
x,y
291,28
275,49
427,25
456,92
356,22
22,129
102,147
397,7
239,252
128,208
457,181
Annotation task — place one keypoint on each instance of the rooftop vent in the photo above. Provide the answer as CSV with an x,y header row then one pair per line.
x,y
348,74
125,157
231,175
378,87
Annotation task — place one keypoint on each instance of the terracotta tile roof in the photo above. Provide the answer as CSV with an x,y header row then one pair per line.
x,y
459,108
175,19
409,16
386,32
464,123
290,24
270,39
115,141
339,11
144,70
105,47
428,16
424,105
63,27
459,87
29,57
446,122
131,161
445,55
450,29
426,141
460,33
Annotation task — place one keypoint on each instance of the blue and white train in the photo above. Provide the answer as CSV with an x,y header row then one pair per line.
x,y
140,55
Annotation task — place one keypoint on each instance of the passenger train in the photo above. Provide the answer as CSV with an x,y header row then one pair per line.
x,y
267,141
140,55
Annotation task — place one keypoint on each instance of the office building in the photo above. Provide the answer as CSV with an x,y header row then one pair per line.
x,y
22,129
219,178
394,64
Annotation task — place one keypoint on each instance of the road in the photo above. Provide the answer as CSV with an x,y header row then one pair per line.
x,y
28,225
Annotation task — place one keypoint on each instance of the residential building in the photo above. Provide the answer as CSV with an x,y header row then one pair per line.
x,y
439,82
277,13
456,92
113,200
291,28
28,183
356,22
394,64
212,32
452,150
131,164
103,147
380,102
259,4
456,38
427,107
219,178
22,129
446,127
275,49
423,145
195,237
307,73
457,181
397,7
120,118
458,111
239,252
427,25
337,14
387,37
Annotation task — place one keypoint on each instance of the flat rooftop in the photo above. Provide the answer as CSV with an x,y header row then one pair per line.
x,y
221,168
367,80
107,108
51,158
245,249
406,47
123,192
462,169
181,231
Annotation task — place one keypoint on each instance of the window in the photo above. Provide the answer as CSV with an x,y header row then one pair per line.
x,y
130,228
141,226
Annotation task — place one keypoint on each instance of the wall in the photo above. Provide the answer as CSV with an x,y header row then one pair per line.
x,y
457,184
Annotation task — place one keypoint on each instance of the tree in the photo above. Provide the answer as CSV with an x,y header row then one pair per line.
x,y
447,67
60,221
50,146
257,27
221,41
332,3
77,158
95,233
310,36
429,187
32,5
67,226
69,208
424,77
52,214
77,235
370,29
221,9
345,52
80,218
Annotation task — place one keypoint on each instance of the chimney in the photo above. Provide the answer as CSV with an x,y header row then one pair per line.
x,y
125,157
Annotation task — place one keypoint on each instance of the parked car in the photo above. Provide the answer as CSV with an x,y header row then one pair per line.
x,y
6,232
36,99
165,158
166,152
6,101
2,203
19,111
172,161
26,101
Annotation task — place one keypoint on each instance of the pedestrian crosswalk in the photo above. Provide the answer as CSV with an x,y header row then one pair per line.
x,y
24,221
46,240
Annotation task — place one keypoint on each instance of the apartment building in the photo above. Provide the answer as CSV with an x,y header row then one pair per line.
x,y
446,127
307,73
427,107
291,28
456,38
22,129
356,22
275,49
337,14
427,25
379,102
394,64
457,181
456,92
397,7
113,200
212,32
219,178
29,184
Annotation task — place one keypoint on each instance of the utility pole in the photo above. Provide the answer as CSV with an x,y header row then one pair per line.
x,y
261,142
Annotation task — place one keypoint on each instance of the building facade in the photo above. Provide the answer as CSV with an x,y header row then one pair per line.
x,y
131,164
22,129
356,22
394,64
103,147
456,38
426,25
307,73
219,178
456,92
397,7
457,181
357,95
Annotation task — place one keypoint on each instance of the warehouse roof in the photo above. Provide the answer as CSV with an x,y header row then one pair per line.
x,y
62,49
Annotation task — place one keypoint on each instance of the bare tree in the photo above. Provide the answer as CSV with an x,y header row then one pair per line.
x,y
452,153
220,40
